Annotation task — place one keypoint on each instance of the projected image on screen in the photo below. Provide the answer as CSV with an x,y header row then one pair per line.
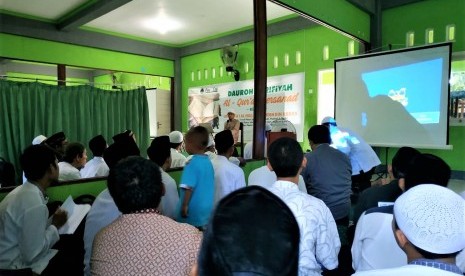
x,y
414,86
396,98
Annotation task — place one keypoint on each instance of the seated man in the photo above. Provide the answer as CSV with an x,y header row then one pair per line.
x,y
319,238
159,152
96,166
102,213
252,232
124,145
75,158
57,142
104,210
26,237
373,229
428,225
142,241
38,140
371,197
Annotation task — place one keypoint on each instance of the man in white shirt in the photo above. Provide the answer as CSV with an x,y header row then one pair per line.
x,y
159,152
319,239
26,237
75,158
264,177
428,225
228,176
103,212
96,166
176,140
373,229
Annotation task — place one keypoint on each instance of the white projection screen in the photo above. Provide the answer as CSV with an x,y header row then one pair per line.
x,y
396,98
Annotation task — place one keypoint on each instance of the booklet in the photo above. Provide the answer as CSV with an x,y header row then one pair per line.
x,y
76,213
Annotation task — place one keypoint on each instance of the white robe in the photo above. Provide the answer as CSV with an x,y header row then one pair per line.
x,y
264,177
228,177
177,159
102,213
95,167
170,200
68,172
26,237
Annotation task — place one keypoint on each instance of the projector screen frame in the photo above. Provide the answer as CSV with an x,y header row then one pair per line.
x,y
359,72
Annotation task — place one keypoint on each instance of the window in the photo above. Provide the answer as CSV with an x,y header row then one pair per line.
x,y
429,36
450,32
410,40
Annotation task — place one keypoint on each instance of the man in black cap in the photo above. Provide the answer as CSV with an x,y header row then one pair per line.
x,y
96,166
57,143
124,145
160,153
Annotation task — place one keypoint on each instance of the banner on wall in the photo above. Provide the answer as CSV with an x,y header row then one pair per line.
x,y
285,99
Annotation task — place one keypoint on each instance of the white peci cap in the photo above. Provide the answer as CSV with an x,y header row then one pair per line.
x,y
268,127
432,218
176,137
38,140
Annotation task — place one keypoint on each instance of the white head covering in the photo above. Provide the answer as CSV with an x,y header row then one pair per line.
x,y
432,218
232,111
268,127
38,140
328,119
176,137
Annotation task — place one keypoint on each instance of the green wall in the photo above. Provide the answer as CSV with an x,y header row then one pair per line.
x,y
17,47
418,17
309,42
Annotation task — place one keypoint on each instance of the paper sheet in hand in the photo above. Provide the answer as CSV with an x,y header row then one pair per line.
x,y
76,213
